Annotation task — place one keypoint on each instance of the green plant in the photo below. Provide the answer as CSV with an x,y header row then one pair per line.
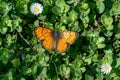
x,y
97,23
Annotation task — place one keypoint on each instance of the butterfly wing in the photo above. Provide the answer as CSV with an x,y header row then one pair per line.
x,y
66,38
46,36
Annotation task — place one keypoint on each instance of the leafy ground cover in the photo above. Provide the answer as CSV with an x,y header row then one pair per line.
x,y
96,21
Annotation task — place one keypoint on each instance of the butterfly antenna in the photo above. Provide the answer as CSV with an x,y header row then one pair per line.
x,y
25,40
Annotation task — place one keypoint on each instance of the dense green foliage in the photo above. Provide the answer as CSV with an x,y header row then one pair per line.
x,y
96,21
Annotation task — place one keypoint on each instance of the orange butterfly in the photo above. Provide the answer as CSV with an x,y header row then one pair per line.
x,y
54,40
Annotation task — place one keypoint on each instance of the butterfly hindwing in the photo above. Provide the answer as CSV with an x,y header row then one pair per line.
x,y
67,38
46,36
61,46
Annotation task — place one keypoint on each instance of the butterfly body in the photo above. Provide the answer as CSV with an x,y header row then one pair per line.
x,y
55,40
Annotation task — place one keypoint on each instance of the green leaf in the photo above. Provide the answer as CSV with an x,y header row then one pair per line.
x,y
56,10
73,15
108,56
83,69
28,58
60,4
85,20
117,36
100,42
117,62
8,39
66,8
36,23
42,59
4,56
22,6
108,33
4,8
107,21
64,19
100,46
56,78
42,17
44,72
22,79
84,6
100,7
110,27
3,30
16,62
83,9
19,28
15,23
34,69
8,23
99,76
115,8
88,60
95,58
8,76
28,71
107,77
116,45
88,77
101,39
64,70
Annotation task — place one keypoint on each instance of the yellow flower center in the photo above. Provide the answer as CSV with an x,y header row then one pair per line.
x,y
106,67
36,9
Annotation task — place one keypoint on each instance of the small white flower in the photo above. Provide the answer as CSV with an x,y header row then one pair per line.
x,y
106,68
36,8
63,53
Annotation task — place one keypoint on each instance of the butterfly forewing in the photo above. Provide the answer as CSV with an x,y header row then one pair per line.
x,y
70,36
46,36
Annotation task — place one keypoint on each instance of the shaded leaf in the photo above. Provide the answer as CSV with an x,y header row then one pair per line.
x,y
16,62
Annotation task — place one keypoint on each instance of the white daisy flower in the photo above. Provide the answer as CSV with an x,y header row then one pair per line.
x,y
106,68
36,8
